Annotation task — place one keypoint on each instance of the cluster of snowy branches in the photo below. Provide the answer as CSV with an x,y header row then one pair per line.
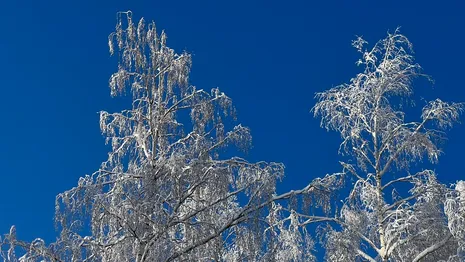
x,y
167,194
391,212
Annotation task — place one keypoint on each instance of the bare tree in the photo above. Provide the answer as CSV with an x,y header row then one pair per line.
x,y
165,194
391,213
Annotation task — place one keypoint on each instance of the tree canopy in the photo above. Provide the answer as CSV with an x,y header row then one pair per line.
x,y
170,191
393,211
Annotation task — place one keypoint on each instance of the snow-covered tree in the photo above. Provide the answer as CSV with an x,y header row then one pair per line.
x,y
393,210
165,193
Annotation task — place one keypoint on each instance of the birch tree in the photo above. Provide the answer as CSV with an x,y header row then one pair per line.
x,y
165,193
393,210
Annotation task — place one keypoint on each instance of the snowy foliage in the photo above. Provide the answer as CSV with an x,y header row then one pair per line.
x,y
168,193
165,193
391,213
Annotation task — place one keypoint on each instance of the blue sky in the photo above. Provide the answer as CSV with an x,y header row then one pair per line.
x,y
270,57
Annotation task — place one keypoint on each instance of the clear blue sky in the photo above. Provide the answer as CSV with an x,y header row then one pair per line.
x,y
269,56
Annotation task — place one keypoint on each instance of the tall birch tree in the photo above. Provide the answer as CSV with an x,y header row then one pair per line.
x,y
393,210
165,193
